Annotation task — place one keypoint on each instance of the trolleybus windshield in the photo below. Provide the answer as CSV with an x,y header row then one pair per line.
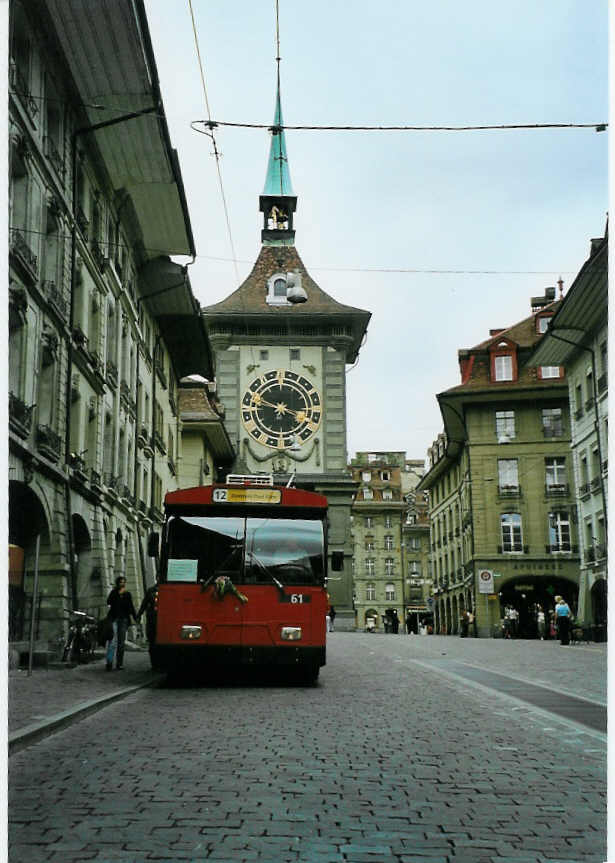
x,y
248,550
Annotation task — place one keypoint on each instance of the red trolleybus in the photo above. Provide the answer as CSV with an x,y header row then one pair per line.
x,y
242,578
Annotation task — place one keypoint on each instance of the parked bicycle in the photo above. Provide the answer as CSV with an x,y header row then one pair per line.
x,y
81,641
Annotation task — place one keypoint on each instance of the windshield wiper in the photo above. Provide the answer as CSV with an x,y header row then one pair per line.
x,y
254,559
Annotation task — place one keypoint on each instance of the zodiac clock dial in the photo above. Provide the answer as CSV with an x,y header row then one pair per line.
x,y
281,408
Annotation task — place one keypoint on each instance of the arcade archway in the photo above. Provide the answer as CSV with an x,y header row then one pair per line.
x,y
529,593
27,520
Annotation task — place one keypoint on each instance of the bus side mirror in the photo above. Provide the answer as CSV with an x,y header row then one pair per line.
x,y
337,561
152,545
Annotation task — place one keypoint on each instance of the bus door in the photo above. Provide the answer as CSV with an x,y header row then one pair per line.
x,y
204,566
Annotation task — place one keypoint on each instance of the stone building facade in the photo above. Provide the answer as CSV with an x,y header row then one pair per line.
x,y
416,550
503,516
577,338
377,514
102,324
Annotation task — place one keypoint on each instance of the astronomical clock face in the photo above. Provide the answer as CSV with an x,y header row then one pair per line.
x,y
280,406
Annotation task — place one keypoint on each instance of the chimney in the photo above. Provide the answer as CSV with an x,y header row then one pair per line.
x,y
496,331
538,303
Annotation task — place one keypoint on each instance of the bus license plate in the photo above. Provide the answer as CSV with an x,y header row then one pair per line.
x,y
296,598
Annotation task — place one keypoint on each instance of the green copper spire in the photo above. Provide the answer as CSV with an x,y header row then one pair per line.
x,y
277,181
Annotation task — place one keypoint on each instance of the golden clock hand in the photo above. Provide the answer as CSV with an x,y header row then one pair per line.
x,y
280,408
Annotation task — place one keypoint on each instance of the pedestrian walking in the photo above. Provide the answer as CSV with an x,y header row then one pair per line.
x,y
332,613
409,623
121,609
562,621
540,619
472,623
464,625
394,621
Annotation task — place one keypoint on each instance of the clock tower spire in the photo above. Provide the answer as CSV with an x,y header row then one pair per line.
x,y
278,201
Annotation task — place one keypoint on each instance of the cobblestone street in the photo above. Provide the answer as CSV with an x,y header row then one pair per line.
x,y
388,758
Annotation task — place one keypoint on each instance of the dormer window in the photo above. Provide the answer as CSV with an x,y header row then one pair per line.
x,y
277,289
503,361
503,368
542,323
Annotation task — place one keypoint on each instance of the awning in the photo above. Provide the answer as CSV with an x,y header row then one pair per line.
x,y
108,49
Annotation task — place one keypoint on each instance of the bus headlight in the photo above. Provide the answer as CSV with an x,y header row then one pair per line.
x,y
191,632
291,633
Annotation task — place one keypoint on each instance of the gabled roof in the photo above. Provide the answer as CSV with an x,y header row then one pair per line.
x,y
249,300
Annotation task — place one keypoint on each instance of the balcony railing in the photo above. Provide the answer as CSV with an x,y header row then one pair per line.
x,y
112,374
82,221
22,250
578,413
48,442
55,298
509,490
589,403
53,154
556,489
561,548
552,431
20,416
596,484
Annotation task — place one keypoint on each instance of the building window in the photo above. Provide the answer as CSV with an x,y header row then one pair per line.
x,y
505,425
385,475
372,457
368,494
389,592
559,531
263,355
366,475
370,566
550,372
508,474
510,523
276,290
389,565
387,494
388,521
388,543
503,367
295,354
555,472
552,422
369,545
542,323
370,591
369,521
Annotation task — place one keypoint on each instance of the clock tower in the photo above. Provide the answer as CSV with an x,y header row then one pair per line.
x,y
281,346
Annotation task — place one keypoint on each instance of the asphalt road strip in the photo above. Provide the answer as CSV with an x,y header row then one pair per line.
x,y
581,711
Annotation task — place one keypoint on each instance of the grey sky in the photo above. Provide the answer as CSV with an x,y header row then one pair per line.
x,y
496,200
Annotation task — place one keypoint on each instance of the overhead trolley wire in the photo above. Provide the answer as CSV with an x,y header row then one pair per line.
x,y
212,124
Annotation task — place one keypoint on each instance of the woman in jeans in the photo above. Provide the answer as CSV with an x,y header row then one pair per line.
x,y
121,609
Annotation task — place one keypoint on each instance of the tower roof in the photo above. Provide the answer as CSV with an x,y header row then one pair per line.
x,y
277,181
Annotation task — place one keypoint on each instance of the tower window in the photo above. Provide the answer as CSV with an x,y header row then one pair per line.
x,y
295,354
263,355
276,290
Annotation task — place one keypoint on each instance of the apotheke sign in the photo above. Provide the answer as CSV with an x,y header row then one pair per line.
x,y
485,581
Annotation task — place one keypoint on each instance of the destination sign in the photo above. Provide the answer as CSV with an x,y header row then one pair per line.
x,y
247,495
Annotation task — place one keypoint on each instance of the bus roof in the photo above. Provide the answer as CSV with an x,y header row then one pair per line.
x,y
203,495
